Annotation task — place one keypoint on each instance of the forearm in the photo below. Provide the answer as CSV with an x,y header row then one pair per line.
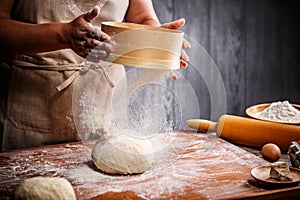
x,y
142,12
22,38
151,21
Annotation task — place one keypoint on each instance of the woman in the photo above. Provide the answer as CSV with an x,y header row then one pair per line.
x,y
43,44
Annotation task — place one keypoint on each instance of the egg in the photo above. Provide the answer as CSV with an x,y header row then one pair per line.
x,y
271,152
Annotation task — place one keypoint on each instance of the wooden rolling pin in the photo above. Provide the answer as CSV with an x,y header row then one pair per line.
x,y
250,132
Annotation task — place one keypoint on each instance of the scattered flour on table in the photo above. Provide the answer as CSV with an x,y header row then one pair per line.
x,y
280,112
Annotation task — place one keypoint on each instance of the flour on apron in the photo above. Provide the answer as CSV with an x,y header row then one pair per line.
x,y
32,111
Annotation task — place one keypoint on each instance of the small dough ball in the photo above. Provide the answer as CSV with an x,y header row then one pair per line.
x,y
122,154
271,152
50,188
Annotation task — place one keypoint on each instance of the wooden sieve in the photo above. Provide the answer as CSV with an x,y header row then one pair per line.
x,y
144,46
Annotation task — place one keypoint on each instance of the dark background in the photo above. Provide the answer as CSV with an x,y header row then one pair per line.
x,y
254,43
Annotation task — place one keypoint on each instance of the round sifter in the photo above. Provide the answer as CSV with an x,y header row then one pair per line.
x,y
144,46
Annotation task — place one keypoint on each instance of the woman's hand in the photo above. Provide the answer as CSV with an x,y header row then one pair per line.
x,y
186,45
85,39
17,38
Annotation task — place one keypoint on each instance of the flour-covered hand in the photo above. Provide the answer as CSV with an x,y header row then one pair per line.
x,y
85,39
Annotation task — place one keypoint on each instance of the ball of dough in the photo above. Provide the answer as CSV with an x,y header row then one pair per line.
x,y
51,188
122,155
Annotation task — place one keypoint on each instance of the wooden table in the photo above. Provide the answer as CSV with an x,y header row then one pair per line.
x,y
187,166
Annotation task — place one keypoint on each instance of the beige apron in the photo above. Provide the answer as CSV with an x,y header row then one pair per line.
x,y
32,111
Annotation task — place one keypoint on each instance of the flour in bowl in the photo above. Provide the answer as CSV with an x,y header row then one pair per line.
x,y
280,112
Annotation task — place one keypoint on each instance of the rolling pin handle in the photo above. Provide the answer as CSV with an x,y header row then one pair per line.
x,y
202,125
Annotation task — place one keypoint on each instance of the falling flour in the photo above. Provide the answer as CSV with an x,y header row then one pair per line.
x,y
280,112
